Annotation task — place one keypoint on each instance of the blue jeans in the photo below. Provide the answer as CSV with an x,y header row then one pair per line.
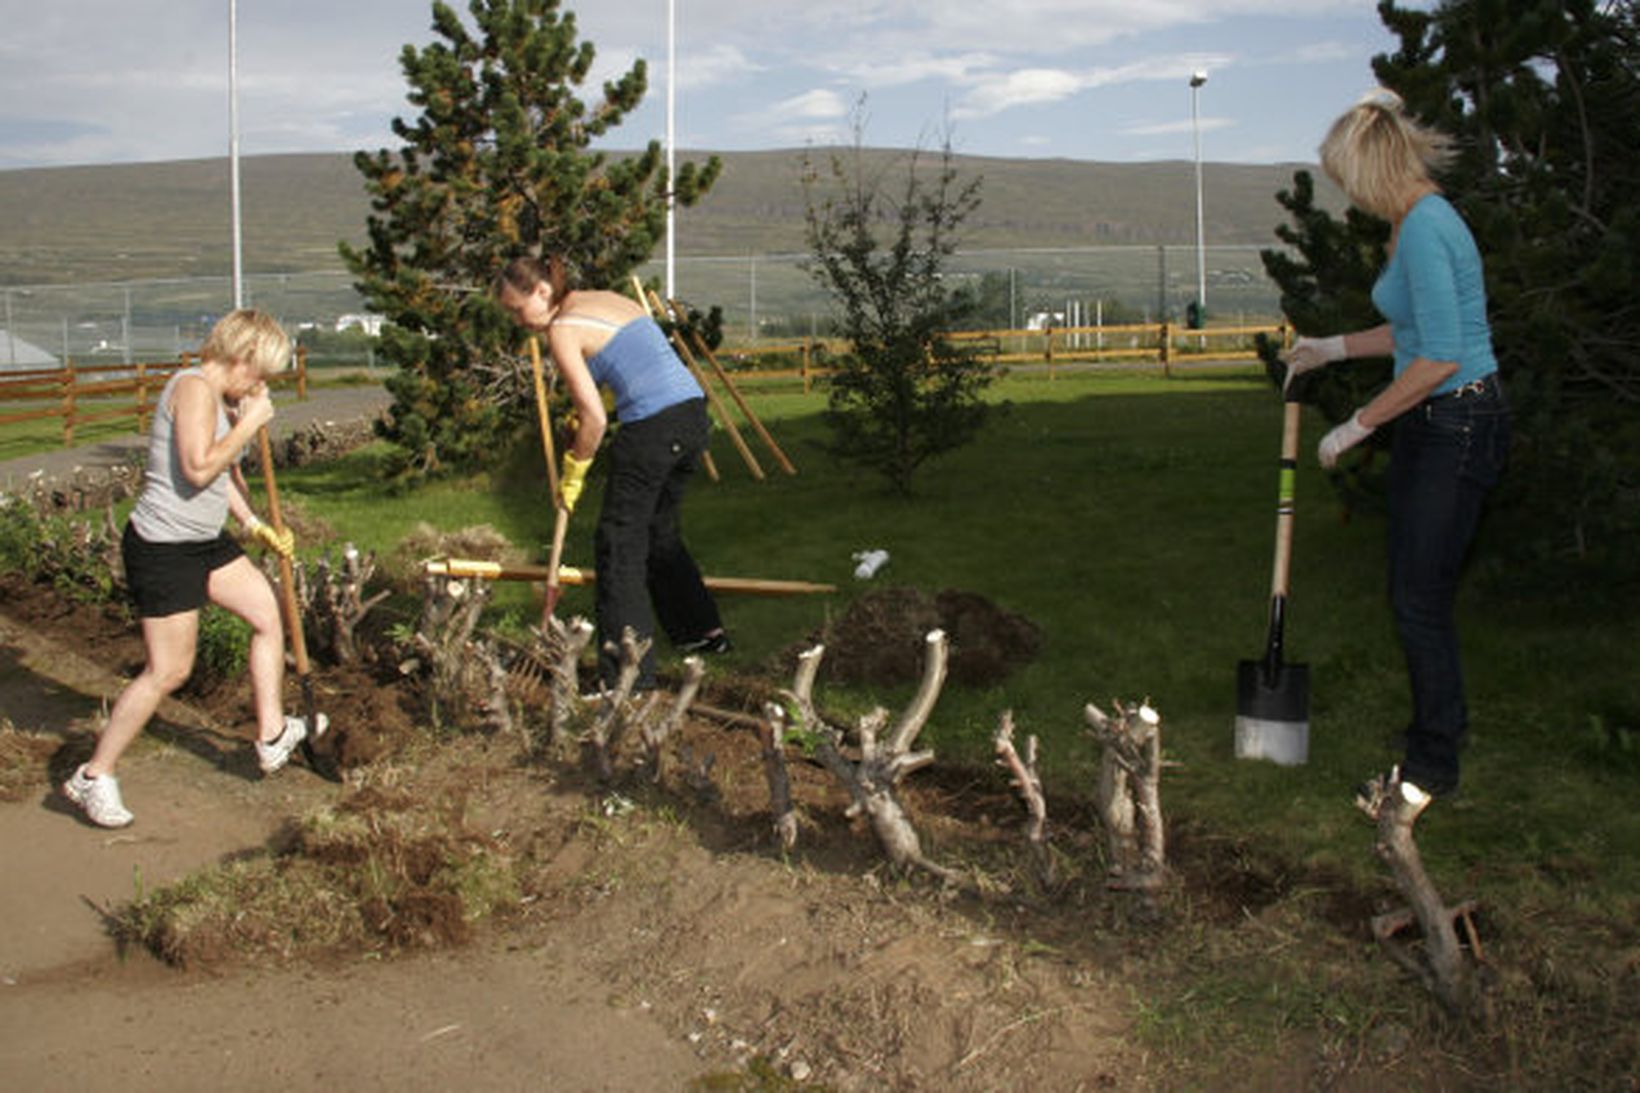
x,y
639,550
1448,453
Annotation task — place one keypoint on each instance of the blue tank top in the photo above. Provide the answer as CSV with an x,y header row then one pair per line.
x,y
638,366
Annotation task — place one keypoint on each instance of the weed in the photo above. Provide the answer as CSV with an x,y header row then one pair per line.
x,y
224,643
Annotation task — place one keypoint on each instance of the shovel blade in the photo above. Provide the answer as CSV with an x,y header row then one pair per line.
x,y
1273,712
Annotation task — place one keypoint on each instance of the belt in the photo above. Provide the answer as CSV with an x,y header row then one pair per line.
x,y
1487,384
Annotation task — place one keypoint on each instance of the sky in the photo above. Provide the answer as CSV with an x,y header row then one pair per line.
x,y
120,81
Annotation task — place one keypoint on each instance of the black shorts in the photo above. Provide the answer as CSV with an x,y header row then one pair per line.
x,y
167,578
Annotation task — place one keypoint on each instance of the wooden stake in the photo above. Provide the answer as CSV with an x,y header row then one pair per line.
x,y
711,396
734,391
706,459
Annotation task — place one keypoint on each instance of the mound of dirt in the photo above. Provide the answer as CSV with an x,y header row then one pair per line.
x,y
879,640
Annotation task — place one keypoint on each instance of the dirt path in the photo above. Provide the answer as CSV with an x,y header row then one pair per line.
x,y
75,1014
665,947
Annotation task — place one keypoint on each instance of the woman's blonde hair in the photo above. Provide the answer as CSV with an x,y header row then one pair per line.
x,y
249,335
1378,155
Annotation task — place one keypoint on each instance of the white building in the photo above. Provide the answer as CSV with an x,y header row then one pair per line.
x,y
370,324
16,353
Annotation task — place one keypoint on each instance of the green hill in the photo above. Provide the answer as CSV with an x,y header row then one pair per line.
x,y
127,222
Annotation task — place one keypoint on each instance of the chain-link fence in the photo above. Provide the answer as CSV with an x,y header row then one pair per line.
x,y
762,296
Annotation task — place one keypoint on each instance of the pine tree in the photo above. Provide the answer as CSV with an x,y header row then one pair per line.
x,y
905,392
1541,96
497,164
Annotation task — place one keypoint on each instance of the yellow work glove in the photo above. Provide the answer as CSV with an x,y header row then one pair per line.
x,y
572,481
282,541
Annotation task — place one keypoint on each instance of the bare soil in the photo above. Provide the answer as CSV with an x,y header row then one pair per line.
x,y
663,942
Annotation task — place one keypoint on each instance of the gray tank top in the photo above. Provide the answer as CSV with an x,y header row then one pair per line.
x,y
171,509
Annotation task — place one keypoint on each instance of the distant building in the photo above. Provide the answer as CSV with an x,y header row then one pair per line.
x,y
16,353
370,324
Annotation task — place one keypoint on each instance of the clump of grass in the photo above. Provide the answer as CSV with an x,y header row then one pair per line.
x,y
384,870
24,757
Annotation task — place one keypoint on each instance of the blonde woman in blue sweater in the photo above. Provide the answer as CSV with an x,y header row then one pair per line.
x,y
1445,405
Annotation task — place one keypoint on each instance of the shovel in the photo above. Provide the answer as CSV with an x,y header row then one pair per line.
x,y
1273,697
561,523
293,621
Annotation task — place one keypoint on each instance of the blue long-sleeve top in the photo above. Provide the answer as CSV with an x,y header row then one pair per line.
x,y
1433,292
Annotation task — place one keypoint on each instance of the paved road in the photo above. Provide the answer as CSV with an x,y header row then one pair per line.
x,y
322,404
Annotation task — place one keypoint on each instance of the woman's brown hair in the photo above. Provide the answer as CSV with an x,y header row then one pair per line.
x,y
524,273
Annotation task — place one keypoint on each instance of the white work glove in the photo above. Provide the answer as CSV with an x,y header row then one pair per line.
x,y
1308,354
1341,439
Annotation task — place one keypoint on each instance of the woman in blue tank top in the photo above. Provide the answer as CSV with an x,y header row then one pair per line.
x,y
1450,419
603,339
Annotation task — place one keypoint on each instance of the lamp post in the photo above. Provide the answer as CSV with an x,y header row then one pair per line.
x,y
1196,80
671,146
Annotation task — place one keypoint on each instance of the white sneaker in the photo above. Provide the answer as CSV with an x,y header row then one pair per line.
x,y
273,755
98,798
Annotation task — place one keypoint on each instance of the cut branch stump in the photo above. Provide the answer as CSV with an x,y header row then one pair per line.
x,y
1442,965
1130,795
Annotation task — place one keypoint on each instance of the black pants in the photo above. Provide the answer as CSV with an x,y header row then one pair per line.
x,y
639,550
1448,454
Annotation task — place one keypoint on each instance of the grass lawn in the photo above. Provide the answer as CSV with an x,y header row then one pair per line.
x,y
1131,517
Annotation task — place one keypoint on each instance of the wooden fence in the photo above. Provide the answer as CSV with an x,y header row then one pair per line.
x,y
84,395
1160,344
112,391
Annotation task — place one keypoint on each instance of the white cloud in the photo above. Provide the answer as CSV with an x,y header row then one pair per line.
x,y
1165,128
720,64
1320,53
814,117
1021,88
993,93
915,67
819,103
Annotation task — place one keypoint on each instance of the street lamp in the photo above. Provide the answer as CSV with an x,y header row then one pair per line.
x,y
1196,80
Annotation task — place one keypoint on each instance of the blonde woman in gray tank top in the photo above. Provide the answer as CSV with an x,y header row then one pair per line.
x,y
177,556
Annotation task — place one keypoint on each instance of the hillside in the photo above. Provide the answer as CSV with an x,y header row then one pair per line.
x,y
160,220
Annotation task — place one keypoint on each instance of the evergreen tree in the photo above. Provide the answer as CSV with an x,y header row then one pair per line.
x,y
497,164
905,392
1541,96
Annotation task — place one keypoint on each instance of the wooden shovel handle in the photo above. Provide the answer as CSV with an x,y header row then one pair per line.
x,y
287,574
1284,500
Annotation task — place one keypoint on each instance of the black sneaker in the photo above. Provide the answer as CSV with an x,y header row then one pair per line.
x,y
711,643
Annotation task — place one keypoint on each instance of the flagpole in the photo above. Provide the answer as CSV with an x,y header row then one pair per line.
x,y
233,148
